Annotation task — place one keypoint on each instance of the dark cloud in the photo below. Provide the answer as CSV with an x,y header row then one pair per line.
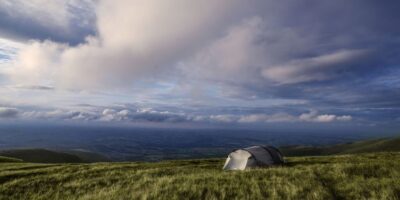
x,y
35,87
63,21
6,112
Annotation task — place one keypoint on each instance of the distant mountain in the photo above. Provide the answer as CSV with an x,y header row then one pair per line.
x,y
50,156
367,146
88,156
41,156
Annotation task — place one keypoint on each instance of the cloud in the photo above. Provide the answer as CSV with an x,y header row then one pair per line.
x,y
135,114
34,87
318,68
34,64
60,114
221,118
65,21
278,117
344,118
313,116
113,115
6,112
138,45
231,42
107,115
236,56
331,56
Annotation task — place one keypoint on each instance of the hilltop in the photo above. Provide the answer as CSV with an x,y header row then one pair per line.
x,y
359,174
362,176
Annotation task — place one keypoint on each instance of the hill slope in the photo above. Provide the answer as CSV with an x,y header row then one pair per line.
x,y
367,146
8,160
362,176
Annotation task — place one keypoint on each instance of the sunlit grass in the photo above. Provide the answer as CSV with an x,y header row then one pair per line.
x,y
365,176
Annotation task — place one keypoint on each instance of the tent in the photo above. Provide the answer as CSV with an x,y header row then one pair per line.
x,y
251,157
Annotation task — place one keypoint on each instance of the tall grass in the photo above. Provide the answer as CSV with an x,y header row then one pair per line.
x,y
365,176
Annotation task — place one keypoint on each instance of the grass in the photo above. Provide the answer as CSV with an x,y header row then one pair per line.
x,y
362,176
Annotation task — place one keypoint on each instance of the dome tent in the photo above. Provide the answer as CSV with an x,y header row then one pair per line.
x,y
251,157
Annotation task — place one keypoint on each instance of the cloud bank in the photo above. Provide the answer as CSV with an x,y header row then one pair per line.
x,y
134,114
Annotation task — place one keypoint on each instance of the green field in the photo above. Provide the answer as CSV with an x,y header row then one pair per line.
x,y
362,176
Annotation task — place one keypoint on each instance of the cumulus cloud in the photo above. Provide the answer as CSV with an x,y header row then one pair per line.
x,y
60,114
6,112
138,114
225,41
66,21
107,115
35,63
314,116
278,117
113,115
222,118
149,38
237,56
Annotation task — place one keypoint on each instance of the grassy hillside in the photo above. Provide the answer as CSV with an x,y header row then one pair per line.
x,y
367,146
362,176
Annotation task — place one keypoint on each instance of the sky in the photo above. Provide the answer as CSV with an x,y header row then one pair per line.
x,y
179,63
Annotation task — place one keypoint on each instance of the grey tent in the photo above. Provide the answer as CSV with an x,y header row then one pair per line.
x,y
251,157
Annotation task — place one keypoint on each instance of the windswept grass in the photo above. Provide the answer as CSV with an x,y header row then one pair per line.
x,y
364,176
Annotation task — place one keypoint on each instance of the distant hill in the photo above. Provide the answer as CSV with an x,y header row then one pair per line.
x,y
367,146
50,156
41,156
88,156
84,156
9,160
